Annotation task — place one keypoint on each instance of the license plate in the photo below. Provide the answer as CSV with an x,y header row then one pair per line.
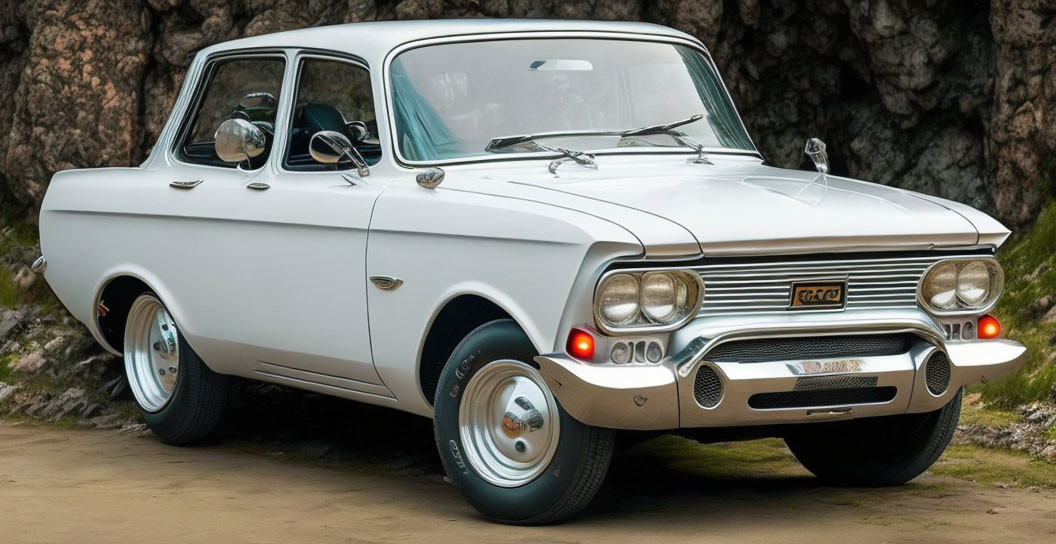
x,y
818,294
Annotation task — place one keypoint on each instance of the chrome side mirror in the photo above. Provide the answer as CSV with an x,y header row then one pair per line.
x,y
358,130
238,140
330,147
431,178
815,149
259,100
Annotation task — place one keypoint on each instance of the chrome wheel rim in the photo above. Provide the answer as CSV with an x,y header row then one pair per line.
x,y
509,423
152,353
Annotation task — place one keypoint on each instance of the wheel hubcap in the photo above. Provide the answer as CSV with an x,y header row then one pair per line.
x,y
508,422
152,353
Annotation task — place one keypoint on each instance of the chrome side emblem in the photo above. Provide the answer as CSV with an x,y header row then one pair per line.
x,y
189,184
386,283
257,186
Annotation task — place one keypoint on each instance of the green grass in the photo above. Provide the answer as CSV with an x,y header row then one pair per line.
x,y
992,466
988,417
18,235
1032,253
5,366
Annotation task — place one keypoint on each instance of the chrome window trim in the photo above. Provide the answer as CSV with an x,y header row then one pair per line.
x,y
642,329
199,92
299,56
966,312
529,35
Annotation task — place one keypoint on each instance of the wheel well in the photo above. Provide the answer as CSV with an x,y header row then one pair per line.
x,y
117,298
458,318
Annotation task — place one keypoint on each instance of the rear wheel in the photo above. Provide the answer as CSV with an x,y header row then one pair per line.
x,y
882,451
179,397
505,442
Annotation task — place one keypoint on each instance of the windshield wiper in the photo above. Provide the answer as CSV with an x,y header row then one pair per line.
x,y
681,137
582,158
669,128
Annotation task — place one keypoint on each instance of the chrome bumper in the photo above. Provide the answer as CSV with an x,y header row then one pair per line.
x,y
661,396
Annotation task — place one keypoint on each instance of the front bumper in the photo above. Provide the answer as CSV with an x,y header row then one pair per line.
x,y
659,397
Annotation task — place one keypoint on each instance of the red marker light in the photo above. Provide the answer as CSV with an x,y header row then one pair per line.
x,y
580,344
989,327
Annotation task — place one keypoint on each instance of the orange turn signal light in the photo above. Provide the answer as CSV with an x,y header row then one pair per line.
x,y
580,344
989,327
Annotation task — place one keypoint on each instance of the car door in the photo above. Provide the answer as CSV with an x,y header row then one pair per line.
x,y
280,269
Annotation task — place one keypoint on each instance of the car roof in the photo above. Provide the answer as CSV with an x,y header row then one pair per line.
x,y
373,40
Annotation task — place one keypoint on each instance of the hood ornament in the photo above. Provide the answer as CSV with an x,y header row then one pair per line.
x,y
815,149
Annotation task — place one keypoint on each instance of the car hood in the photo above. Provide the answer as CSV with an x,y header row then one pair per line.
x,y
741,207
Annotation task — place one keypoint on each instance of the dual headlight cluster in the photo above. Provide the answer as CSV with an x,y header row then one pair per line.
x,y
630,300
961,286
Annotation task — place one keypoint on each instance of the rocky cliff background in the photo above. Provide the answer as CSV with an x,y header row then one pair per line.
x,y
950,97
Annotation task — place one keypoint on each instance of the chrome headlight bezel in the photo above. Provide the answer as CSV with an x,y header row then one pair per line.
x,y
997,286
641,322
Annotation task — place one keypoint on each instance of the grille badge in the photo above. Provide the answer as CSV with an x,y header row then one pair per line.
x,y
812,295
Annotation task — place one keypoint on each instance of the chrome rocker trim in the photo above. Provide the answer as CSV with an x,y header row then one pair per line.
x,y
660,397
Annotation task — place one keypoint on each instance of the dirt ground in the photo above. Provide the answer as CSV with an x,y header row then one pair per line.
x,y
103,486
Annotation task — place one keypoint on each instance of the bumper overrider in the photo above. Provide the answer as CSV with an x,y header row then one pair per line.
x,y
734,371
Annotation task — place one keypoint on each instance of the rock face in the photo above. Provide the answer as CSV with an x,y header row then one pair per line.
x,y
949,97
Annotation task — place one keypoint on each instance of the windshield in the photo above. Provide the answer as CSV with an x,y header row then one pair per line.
x,y
451,100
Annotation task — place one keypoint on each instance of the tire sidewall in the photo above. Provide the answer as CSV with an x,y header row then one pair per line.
x,y
493,342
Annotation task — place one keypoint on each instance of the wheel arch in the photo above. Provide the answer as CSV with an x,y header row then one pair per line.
x,y
117,290
455,318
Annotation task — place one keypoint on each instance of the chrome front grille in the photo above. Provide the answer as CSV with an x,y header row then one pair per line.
x,y
753,286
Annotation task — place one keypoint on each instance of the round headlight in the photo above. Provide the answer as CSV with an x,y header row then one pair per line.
x,y
961,286
618,299
973,283
940,287
664,295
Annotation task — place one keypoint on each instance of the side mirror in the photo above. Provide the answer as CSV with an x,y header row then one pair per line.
x,y
238,140
330,147
358,130
259,100
815,149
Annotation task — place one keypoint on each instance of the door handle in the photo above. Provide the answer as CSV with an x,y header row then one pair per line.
x,y
189,184
258,186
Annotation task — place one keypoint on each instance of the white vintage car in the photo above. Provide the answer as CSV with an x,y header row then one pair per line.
x,y
536,233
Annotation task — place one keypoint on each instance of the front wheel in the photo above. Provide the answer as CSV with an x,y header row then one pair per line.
x,y
179,397
505,442
872,452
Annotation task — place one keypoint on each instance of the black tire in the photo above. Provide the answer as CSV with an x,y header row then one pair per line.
x,y
197,400
575,472
876,452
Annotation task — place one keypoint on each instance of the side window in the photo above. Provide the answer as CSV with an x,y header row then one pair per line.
x,y
332,95
239,88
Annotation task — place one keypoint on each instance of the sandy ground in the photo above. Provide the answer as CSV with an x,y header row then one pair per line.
x,y
101,486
